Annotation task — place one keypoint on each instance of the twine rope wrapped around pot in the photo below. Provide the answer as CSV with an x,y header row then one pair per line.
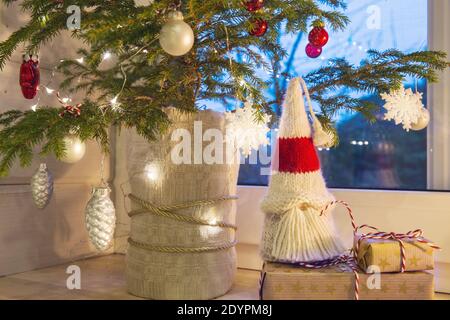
x,y
169,212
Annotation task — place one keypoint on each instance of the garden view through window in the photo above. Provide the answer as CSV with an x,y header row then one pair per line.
x,y
382,154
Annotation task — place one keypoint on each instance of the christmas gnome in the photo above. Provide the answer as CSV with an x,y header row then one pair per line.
x,y
294,229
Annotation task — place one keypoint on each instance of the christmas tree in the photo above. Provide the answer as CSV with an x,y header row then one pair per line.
x,y
233,40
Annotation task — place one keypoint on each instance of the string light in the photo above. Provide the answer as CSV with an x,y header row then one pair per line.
x,y
151,172
114,100
115,103
34,107
213,221
206,232
106,55
80,60
49,90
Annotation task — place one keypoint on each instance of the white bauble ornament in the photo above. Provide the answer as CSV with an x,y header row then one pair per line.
x,y
42,186
100,218
75,149
176,36
423,121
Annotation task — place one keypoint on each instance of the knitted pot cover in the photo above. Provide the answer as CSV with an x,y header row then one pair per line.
x,y
294,230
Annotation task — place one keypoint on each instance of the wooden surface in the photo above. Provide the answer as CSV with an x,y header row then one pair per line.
x,y
104,278
101,278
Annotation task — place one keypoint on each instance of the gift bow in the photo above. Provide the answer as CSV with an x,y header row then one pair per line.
x,y
415,235
410,236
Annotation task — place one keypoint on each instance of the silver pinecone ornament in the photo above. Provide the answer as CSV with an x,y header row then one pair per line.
x,y
42,186
100,218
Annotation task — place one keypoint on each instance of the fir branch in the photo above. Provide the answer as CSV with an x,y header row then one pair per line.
x,y
156,80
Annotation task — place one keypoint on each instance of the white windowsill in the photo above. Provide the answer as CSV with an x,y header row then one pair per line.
x,y
398,211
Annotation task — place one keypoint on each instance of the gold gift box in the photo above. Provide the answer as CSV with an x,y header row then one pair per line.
x,y
289,282
386,255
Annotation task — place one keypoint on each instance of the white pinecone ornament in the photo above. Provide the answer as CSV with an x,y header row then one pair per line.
x,y
100,218
42,186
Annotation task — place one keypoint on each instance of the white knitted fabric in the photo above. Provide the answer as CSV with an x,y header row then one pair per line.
x,y
294,231
294,121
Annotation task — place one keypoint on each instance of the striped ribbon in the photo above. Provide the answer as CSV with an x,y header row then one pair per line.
x,y
343,259
262,279
410,236
415,235
72,110
351,260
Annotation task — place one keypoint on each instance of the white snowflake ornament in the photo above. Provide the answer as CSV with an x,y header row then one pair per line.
x,y
403,106
245,131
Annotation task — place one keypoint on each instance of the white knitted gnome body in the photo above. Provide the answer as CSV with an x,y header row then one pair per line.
x,y
294,230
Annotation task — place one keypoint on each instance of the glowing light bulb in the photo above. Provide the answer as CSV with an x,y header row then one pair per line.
x,y
49,90
80,60
151,172
66,100
114,100
34,107
106,55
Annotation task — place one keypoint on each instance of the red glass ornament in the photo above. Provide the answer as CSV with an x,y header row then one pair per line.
x,y
29,78
312,51
318,37
253,5
259,27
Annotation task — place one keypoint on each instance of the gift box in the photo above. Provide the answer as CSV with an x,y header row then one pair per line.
x,y
289,282
386,254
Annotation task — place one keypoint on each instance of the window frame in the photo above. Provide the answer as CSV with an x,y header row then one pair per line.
x,y
390,210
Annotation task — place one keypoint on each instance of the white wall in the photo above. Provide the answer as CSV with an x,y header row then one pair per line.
x,y
32,238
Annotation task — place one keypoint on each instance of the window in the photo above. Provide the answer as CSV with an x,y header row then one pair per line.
x,y
380,155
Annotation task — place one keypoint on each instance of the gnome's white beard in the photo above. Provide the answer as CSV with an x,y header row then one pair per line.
x,y
294,230
299,235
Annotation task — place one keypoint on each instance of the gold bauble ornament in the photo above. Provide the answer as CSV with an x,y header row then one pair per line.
x,y
423,121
